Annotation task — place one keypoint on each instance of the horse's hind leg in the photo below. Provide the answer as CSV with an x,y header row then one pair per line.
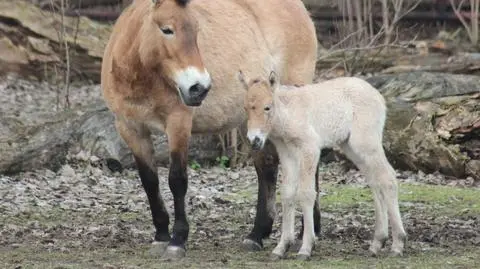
x,y
266,164
137,137
387,184
370,159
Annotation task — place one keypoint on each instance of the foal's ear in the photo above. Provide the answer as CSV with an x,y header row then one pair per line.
x,y
242,79
273,79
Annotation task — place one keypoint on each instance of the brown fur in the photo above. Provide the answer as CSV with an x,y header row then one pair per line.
x,y
221,36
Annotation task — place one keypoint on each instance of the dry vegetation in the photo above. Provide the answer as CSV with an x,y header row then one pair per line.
x,y
85,216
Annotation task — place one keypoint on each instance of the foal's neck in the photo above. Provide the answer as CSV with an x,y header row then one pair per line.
x,y
283,112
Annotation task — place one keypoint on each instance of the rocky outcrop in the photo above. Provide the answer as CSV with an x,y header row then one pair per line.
x,y
433,122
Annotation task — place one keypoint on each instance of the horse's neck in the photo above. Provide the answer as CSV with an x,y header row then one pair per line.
x,y
282,119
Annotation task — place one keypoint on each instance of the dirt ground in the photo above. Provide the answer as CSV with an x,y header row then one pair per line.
x,y
84,216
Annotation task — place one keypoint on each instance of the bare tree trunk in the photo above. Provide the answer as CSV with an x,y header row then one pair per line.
x,y
361,37
474,9
386,24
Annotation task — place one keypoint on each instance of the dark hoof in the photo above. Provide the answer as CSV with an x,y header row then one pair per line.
x,y
250,245
303,257
275,257
174,253
158,248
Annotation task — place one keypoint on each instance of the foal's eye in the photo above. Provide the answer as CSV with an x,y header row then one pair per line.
x,y
167,30
266,108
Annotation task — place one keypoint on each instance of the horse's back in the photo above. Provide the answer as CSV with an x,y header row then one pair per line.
x,y
290,36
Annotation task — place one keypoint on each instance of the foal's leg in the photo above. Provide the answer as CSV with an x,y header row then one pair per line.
x,y
316,208
178,129
289,185
385,174
137,137
307,196
371,160
266,165
381,217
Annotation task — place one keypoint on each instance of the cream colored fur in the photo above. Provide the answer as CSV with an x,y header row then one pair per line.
x,y
345,112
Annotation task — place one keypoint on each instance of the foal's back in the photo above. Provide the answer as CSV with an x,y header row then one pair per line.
x,y
338,107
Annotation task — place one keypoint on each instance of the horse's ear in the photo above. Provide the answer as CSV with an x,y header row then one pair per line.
x,y
273,79
242,79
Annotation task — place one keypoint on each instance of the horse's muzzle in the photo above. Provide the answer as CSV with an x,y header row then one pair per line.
x,y
196,94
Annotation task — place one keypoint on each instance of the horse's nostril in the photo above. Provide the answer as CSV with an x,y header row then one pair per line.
x,y
197,88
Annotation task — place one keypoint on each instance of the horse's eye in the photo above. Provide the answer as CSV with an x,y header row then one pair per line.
x,y
167,30
266,108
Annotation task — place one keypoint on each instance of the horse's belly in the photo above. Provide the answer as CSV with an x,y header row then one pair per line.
x,y
229,40
216,121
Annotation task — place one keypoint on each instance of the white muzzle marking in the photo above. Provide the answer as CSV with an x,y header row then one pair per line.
x,y
256,136
191,76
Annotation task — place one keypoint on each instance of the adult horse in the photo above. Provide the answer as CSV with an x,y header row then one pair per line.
x,y
173,64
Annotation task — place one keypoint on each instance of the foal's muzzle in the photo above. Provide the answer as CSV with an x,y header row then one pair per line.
x,y
257,143
257,139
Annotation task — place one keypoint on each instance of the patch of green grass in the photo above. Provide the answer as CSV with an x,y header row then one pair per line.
x,y
59,216
443,200
345,197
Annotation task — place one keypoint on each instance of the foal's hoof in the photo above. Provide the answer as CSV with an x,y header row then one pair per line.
x,y
303,257
396,253
174,253
376,246
275,257
250,245
158,248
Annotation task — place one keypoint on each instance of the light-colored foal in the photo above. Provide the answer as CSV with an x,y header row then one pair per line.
x,y
345,112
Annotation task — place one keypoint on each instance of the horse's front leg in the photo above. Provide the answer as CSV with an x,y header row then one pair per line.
x,y
178,129
138,139
266,165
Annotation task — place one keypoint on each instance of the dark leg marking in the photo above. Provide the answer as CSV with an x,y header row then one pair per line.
x,y
160,217
266,165
178,183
